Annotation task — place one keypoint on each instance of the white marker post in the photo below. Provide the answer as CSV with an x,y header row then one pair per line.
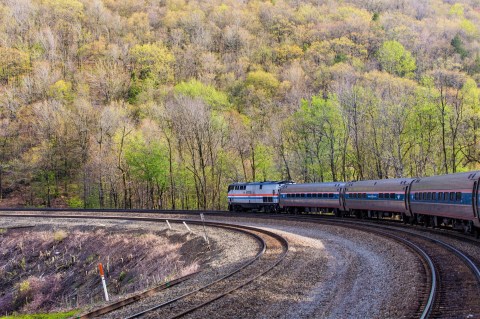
x,y
205,230
168,225
100,268
187,227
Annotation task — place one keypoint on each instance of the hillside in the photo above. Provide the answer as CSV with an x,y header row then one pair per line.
x,y
163,103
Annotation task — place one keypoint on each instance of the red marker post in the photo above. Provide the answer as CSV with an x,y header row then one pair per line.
x,y
100,268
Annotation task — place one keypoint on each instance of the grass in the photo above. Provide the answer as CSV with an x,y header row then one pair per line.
x,y
58,315
60,235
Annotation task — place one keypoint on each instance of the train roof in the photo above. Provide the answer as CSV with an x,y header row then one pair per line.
x,y
446,182
262,183
313,187
380,185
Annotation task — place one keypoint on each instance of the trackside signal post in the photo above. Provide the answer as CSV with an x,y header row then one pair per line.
x,y
104,284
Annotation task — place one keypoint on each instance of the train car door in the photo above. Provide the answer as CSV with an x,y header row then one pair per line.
x,y
475,198
341,198
407,198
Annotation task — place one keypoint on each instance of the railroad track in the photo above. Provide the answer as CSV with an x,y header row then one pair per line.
x,y
452,277
273,249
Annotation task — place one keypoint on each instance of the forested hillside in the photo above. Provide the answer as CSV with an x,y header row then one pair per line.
x,y
162,103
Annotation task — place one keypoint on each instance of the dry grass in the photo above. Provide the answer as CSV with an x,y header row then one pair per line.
x,y
45,272
60,235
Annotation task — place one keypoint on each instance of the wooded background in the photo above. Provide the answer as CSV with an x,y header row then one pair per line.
x,y
163,103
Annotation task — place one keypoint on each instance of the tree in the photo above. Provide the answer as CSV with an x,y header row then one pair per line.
x,y
148,162
13,63
153,61
395,59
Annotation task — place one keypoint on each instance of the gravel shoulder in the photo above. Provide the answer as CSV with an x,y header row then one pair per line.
x,y
331,272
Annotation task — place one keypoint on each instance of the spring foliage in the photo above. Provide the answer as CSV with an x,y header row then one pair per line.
x,y
161,104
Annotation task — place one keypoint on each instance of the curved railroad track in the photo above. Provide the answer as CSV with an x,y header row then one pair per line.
x,y
273,249
452,277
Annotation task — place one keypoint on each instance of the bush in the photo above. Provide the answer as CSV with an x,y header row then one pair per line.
x,y
75,202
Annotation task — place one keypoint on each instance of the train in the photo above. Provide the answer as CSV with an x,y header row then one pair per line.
x,y
443,200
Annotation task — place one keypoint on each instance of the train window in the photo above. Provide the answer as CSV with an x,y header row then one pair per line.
x,y
364,195
440,196
325,195
304,195
392,195
452,196
309,195
330,195
429,196
261,186
458,196
445,196
434,196
380,195
229,187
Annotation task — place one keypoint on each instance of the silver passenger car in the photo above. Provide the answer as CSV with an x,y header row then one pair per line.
x,y
386,195
311,197
453,198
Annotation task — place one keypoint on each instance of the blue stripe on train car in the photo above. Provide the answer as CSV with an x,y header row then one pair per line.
x,y
398,197
466,200
252,197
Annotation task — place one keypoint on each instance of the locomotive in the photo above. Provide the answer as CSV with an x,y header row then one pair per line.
x,y
451,199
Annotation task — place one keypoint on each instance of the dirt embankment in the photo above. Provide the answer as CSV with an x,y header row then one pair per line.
x,y
43,269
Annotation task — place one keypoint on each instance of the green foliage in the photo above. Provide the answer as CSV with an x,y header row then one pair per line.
x,y
457,10
469,27
153,61
216,99
62,91
264,164
75,202
147,160
395,59
459,47
263,81
58,315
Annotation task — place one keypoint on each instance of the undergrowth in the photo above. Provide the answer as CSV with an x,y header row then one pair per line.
x,y
57,315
